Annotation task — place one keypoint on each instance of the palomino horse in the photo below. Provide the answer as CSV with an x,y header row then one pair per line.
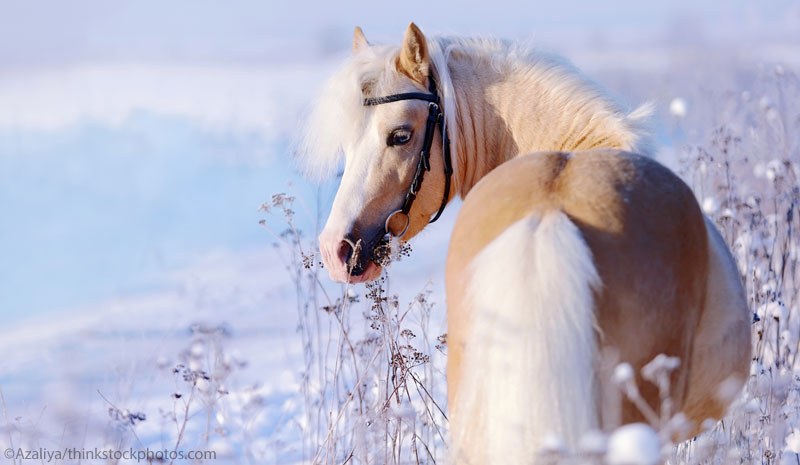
x,y
568,245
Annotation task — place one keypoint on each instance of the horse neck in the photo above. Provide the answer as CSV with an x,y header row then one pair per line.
x,y
502,115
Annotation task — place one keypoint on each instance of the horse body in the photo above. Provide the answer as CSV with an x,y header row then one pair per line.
x,y
664,286
571,253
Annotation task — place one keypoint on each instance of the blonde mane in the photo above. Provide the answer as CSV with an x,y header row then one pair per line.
x,y
338,116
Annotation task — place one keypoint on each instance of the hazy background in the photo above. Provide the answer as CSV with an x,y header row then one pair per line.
x,y
138,139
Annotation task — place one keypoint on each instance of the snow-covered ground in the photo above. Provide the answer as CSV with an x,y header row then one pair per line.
x,y
136,146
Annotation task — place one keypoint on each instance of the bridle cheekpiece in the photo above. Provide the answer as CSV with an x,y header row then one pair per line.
x,y
435,118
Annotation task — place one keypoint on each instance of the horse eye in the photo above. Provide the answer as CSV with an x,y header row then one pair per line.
x,y
399,137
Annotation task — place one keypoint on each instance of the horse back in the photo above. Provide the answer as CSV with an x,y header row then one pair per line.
x,y
646,234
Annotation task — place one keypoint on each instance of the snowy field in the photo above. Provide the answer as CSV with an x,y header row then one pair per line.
x,y
154,291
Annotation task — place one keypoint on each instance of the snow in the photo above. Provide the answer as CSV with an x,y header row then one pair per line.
x,y
623,373
634,444
793,441
230,98
710,205
678,107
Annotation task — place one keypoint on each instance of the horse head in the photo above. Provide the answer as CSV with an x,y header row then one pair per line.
x,y
381,112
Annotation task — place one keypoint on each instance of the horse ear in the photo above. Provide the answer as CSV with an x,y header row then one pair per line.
x,y
413,59
359,40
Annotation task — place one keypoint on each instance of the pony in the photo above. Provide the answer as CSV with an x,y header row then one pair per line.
x,y
573,250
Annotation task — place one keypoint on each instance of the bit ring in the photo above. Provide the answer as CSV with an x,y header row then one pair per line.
x,y
389,218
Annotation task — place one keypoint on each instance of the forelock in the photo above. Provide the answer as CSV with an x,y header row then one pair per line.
x,y
338,116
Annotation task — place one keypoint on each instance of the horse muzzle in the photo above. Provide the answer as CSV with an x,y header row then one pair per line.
x,y
349,258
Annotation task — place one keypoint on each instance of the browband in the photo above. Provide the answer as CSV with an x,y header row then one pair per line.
x,y
397,97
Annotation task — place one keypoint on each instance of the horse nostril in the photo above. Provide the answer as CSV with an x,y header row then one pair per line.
x,y
345,251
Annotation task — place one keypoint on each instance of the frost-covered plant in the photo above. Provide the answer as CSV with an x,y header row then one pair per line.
x,y
373,388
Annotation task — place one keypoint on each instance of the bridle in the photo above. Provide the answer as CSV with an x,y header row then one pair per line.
x,y
435,118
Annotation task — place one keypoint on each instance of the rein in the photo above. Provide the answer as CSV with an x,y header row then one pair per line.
x,y
435,118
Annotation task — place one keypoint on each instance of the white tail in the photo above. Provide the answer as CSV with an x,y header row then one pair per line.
x,y
528,364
